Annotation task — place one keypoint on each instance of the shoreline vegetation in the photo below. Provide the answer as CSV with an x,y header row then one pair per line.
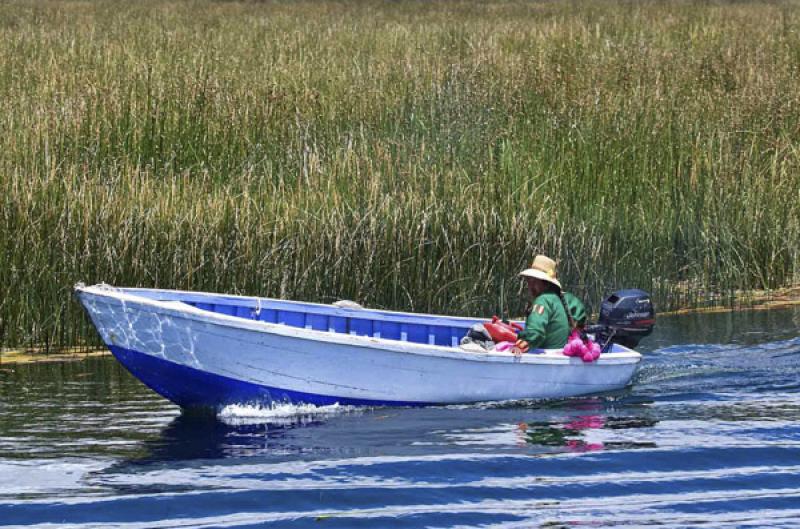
x,y
11,357
407,155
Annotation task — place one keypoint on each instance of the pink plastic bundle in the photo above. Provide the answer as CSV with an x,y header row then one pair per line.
x,y
504,346
587,350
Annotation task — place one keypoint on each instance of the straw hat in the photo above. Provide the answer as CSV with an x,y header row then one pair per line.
x,y
542,268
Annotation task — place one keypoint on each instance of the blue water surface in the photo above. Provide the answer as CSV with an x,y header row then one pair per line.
x,y
707,436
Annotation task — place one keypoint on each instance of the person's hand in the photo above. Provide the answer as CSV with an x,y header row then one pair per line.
x,y
521,347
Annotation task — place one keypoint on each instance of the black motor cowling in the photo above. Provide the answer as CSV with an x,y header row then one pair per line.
x,y
626,316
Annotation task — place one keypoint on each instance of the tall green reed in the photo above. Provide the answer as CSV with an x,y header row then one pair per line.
x,y
407,155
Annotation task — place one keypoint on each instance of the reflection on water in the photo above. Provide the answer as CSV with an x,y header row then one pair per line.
x,y
203,437
575,435
708,436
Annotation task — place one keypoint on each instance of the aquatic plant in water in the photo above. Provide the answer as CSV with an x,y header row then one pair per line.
x,y
411,156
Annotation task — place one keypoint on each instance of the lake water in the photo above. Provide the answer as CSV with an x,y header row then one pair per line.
x,y
707,436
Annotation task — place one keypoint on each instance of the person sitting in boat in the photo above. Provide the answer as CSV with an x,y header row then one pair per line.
x,y
553,314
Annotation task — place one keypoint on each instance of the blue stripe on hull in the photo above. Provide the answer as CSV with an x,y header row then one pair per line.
x,y
190,388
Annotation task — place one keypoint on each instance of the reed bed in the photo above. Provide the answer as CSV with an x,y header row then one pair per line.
x,y
408,155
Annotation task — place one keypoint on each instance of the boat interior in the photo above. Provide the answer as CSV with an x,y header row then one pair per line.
x,y
406,327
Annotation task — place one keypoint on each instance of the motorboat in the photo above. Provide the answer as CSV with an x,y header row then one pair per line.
x,y
209,350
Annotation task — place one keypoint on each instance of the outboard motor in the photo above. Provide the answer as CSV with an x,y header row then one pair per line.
x,y
626,316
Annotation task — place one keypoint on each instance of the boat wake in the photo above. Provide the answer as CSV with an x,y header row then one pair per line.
x,y
242,414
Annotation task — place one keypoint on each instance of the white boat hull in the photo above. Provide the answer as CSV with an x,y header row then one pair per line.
x,y
199,358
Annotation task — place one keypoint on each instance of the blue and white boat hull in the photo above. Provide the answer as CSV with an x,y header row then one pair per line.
x,y
199,357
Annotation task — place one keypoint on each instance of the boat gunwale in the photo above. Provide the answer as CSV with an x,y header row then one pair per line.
x,y
190,312
350,311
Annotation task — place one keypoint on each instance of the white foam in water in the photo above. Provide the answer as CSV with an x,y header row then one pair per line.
x,y
256,413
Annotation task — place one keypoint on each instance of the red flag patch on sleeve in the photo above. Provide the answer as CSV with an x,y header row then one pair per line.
x,y
538,309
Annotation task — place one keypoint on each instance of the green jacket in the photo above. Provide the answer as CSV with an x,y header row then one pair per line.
x,y
547,326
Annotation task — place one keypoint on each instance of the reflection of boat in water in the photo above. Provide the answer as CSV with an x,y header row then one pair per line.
x,y
199,349
570,434
196,436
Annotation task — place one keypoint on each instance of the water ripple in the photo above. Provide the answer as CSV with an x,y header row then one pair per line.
x,y
708,436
